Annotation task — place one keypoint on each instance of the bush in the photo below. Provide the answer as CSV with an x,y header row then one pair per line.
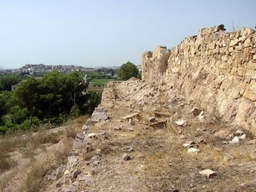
x,y
74,112
3,129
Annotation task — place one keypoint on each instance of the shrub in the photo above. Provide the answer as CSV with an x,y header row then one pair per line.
x,y
74,112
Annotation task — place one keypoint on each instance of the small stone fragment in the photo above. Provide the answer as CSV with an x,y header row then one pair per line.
x,y
151,119
234,140
98,151
186,145
126,157
242,137
76,173
181,122
131,122
118,128
201,116
80,136
88,148
92,135
130,129
207,172
127,149
195,111
193,150
239,133
66,172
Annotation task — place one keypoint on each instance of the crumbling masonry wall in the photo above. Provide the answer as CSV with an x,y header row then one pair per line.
x,y
215,69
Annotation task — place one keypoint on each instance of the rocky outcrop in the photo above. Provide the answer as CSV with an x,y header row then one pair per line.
x,y
215,69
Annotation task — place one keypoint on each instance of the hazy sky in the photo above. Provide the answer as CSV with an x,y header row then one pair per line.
x,y
94,33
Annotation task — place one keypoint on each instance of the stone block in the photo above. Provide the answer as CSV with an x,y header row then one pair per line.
x,y
233,42
247,43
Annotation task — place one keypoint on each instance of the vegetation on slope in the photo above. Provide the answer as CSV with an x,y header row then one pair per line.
x,y
48,100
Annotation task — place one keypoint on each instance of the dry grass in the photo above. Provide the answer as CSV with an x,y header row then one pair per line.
x,y
75,126
33,181
6,163
46,149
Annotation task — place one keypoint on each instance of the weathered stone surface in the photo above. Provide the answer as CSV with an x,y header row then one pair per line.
x,y
99,114
218,76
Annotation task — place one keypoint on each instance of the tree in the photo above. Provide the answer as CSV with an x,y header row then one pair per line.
x,y
7,82
52,91
75,86
27,95
127,70
6,102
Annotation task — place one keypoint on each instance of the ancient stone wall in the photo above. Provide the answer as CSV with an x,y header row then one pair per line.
x,y
215,69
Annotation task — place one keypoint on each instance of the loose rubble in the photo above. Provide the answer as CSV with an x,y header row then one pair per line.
x,y
114,147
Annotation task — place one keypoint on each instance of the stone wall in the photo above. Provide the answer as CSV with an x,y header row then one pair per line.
x,y
215,69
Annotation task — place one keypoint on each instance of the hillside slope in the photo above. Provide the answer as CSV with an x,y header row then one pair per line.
x,y
144,138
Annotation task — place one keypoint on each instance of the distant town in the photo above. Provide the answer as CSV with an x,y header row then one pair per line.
x,y
31,69
42,68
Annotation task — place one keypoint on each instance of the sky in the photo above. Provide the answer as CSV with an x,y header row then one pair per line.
x,y
95,33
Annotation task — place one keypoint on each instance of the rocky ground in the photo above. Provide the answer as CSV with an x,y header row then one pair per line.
x,y
144,138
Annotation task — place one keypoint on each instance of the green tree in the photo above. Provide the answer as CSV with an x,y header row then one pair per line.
x,y
27,95
91,100
127,70
52,91
7,82
75,87
5,97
